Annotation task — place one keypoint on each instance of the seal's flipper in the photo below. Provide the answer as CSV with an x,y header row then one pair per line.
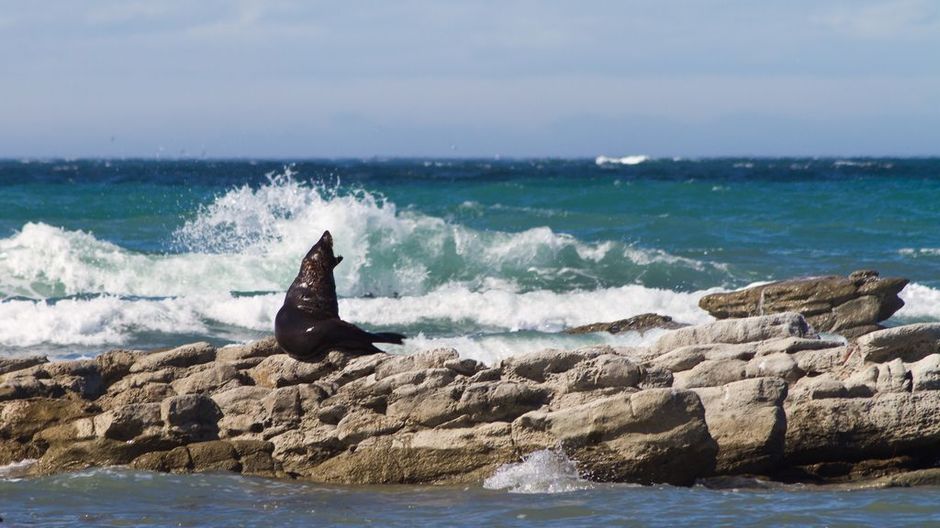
x,y
388,337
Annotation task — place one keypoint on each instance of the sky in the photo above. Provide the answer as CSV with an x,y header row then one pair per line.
x,y
283,78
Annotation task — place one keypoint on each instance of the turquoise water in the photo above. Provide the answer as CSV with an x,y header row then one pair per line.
x,y
492,254
493,257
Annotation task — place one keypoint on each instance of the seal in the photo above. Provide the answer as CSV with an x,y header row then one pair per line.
x,y
308,325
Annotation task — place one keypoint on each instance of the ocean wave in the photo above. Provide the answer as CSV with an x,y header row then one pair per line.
x,y
452,310
862,164
919,252
625,160
250,239
920,303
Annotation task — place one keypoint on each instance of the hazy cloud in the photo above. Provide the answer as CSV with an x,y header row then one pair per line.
x,y
285,77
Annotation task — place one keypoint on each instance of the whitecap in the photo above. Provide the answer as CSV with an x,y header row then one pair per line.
x,y
625,160
251,240
920,302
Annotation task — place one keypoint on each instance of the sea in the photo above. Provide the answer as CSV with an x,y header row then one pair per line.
x,y
493,257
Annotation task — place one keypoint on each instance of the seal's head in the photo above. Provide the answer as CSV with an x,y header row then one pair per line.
x,y
321,254
314,289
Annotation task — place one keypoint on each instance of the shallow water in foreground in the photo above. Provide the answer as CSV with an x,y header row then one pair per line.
x,y
110,497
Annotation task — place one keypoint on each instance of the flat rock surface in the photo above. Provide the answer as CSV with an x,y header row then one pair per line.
x,y
757,395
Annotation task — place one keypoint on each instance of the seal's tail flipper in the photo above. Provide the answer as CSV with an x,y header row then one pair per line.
x,y
387,337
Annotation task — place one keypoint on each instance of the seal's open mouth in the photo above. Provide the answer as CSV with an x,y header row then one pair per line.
x,y
327,239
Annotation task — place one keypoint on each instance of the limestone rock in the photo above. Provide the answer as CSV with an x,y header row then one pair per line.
x,y
711,373
14,364
887,424
780,365
830,304
734,331
422,360
656,435
538,365
217,377
129,421
282,370
766,396
747,420
818,388
434,455
190,416
603,371
925,373
184,356
909,343
823,360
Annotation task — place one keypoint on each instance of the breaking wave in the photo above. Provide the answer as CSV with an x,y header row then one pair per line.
x,y
625,160
250,239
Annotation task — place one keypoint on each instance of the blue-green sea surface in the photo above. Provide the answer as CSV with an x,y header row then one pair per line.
x,y
491,257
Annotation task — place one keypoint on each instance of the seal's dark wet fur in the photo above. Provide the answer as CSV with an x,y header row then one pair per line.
x,y
308,325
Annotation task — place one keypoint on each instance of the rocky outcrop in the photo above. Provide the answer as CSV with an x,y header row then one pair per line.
x,y
761,395
850,306
639,323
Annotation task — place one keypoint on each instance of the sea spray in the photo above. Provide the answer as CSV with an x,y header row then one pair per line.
x,y
545,471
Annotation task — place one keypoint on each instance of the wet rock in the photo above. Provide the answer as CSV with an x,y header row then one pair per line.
x,y
638,323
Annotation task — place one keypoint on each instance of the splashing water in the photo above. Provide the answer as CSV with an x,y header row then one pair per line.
x,y
545,471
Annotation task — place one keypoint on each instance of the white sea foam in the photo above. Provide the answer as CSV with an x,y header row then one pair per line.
x,y
251,239
919,252
920,302
545,471
111,320
625,160
542,310
16,469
